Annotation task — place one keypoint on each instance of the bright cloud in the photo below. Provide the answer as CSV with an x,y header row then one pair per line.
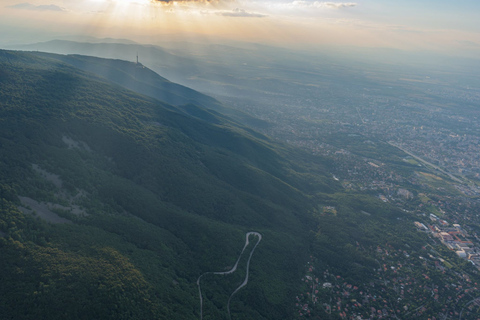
x,y
334,5
319,4
29,6
174,1
240,13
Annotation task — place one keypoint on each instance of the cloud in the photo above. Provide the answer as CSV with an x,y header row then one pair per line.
x,y
45,7
172,1
334,5
240,13
319,4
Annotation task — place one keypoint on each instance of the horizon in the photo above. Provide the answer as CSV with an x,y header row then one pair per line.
x,y
433,27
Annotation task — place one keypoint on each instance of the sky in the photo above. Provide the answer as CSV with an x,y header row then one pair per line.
x,y
447,26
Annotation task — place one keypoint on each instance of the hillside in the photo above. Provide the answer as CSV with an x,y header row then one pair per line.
x,y
136,197
138,78
114,204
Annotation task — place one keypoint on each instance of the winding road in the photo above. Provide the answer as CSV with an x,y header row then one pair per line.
x,y
245,281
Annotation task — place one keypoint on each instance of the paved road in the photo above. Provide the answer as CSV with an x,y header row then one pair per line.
x,y
244,283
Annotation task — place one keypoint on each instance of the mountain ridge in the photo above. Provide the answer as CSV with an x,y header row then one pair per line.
x,y
161,190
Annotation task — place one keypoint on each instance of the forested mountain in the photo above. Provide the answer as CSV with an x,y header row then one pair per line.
x,y
150,197
159,59
114,203
138,78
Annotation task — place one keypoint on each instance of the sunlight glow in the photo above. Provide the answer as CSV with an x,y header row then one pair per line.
x,y
131,1
282,22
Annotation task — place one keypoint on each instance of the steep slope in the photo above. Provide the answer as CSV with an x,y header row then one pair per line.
x,y
150,196
138,78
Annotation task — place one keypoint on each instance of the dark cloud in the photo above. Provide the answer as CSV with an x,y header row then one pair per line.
x,y
45,7
171,1
240,13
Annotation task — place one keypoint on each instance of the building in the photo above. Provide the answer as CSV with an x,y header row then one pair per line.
x,y
443,223
421,226
445,236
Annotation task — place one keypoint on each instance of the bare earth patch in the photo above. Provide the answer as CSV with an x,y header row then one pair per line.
x,y
72,144
41,209
53,178
76,210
